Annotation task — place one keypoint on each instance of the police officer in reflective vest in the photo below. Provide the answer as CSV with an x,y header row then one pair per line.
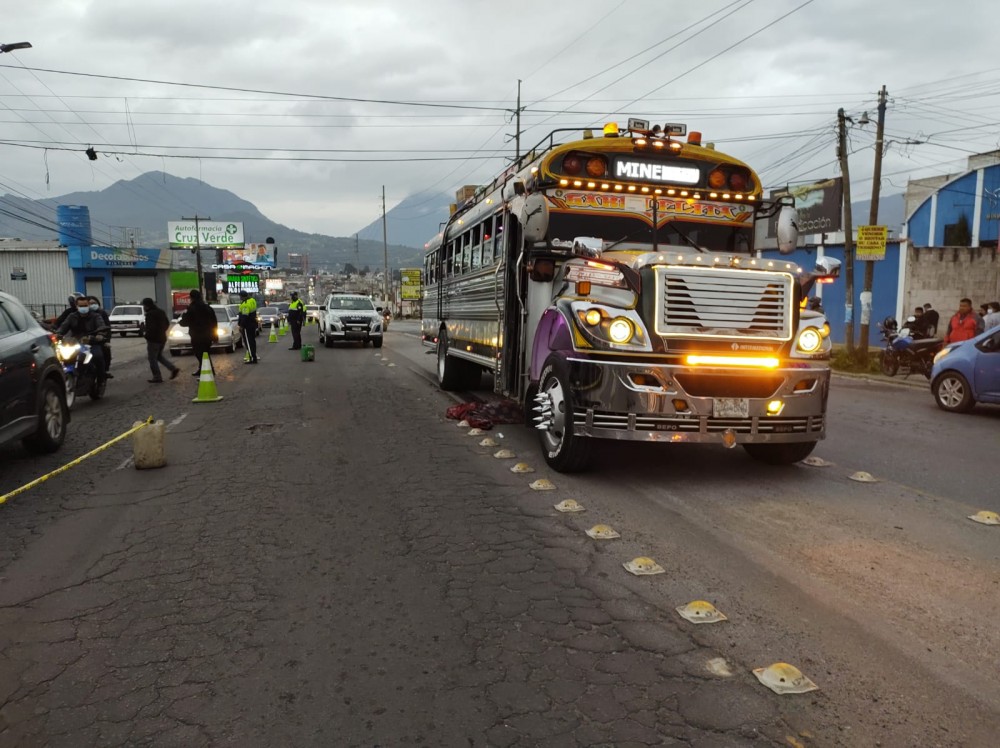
x,y
296,316
248,324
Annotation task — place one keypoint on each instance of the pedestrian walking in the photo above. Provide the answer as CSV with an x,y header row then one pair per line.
x,y
156,339
199,319
248,324
964,325
296,316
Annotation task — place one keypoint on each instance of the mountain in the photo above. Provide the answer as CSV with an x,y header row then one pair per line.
x,y
413,221
142,206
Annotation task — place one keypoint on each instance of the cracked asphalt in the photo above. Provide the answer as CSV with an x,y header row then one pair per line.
x,y
326,560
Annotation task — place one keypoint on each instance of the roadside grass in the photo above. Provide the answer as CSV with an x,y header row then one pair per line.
x,y
843,360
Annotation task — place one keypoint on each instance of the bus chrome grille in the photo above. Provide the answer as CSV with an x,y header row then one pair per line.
x,y
697,424
724,302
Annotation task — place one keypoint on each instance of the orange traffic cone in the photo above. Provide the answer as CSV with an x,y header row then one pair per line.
x,y
207,393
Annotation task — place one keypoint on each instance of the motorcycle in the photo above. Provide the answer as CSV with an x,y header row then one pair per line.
x,y
907,348
81,376
386,316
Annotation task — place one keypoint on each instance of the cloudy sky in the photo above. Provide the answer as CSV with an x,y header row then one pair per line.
x,y
307,107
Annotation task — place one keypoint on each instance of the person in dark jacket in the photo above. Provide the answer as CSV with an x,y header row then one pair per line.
x,y
296,316
200,321
95,308
88,328
70,309
156,338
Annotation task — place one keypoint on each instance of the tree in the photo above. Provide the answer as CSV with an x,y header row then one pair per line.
x,y
349,269
365,271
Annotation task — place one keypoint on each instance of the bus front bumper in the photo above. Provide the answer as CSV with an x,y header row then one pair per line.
x,y
713,405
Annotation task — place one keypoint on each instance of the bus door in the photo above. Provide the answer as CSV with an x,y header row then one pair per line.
x,y
512,282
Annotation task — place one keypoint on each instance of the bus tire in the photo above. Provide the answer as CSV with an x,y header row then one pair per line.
x,y
452,373
564,451
780,454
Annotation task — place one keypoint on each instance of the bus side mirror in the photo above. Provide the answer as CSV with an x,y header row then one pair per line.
x,y
513,187
588,246
828,267
788,229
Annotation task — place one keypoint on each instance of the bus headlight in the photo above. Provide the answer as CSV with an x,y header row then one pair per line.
x,y
810,340
592,317
620,330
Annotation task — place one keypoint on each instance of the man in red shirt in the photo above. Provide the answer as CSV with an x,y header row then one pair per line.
x,y
965,325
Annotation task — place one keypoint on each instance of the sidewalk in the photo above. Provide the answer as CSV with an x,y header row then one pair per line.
x,y
913,381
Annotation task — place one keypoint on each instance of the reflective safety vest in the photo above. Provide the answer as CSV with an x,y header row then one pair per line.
x,y
248,311
297,305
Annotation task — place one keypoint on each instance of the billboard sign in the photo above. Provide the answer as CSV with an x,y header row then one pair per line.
x,y
411,288
256,255
236,283
192,234
820,206
871,243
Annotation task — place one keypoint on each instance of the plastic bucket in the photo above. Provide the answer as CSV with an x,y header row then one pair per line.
x,y
308,353
148,448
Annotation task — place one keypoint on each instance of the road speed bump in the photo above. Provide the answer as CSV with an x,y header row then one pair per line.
x,y
813,461
643,566
602,532
542,484
569,505
783,678
476,432
985,518
504,454
862,477
701,611
489,442
522,467
463,424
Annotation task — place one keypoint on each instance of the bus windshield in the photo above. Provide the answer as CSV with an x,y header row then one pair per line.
x,y
712,237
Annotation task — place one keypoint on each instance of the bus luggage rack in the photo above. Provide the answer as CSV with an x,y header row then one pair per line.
x,y
698,424
720,302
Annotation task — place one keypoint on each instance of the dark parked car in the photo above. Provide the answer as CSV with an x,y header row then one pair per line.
x,y
32,385
269,316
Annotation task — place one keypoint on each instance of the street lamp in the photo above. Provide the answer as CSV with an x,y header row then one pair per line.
x,y
15,45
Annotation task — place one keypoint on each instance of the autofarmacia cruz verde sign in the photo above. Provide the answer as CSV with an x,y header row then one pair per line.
x,y
186,235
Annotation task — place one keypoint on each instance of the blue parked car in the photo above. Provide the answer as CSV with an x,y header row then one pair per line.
x,y
968,372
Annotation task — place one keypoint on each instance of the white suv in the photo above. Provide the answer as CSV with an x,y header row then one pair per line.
x,y
346,317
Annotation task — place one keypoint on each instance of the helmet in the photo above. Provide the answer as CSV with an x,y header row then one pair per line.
x,y
73,297
243,294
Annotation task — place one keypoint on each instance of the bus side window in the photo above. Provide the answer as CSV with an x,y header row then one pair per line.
x,y
498,240
466,251
450,259
477,247
488,241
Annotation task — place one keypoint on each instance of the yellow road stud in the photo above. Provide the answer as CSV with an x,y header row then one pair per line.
x,y
489,442
642,566
603,532
985,518
814,461
783,678
719,666
463,424
700,611
862,477
476,432
504,454
522,467
569,505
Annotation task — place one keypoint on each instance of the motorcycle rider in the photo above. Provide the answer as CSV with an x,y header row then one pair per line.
x,y
70,308
95,308
89,328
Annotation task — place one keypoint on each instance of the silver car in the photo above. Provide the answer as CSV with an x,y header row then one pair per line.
x,y
227,333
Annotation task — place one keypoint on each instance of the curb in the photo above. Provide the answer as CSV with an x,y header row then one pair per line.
x,y
913,384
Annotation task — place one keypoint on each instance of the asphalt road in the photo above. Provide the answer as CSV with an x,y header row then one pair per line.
x,y
327,560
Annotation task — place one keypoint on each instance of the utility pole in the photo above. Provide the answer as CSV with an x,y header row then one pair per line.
x,y
385,251
872,221
517,119
197,249
848,233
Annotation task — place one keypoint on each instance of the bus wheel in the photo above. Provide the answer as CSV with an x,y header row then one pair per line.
x,y
454,373
780,454
552,416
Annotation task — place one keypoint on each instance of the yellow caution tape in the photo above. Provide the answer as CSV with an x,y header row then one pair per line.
x,y
75,462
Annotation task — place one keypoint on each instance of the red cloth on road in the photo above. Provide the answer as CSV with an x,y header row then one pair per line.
x,y
485,415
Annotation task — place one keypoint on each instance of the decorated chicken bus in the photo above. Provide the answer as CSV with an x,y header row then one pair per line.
x,y
610,284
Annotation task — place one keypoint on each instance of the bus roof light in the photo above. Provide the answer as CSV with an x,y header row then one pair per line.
x,y
611,130
694,138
